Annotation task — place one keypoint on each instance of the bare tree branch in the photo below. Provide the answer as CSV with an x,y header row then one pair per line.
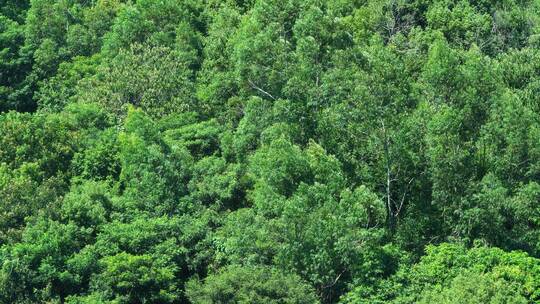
x,y
254,86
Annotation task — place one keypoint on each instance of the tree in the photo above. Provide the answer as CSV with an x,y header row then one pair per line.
x,y
476,288
38,269
152,78
59,90
130,278
154,175
236,284
304,219
451,272
13,65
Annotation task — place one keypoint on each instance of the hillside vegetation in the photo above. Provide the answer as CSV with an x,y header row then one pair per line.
x,y
269,151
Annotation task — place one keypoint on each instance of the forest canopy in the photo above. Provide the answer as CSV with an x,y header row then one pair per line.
x,y
269,151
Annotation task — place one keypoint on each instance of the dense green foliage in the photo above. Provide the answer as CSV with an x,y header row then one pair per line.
x,y
269,151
